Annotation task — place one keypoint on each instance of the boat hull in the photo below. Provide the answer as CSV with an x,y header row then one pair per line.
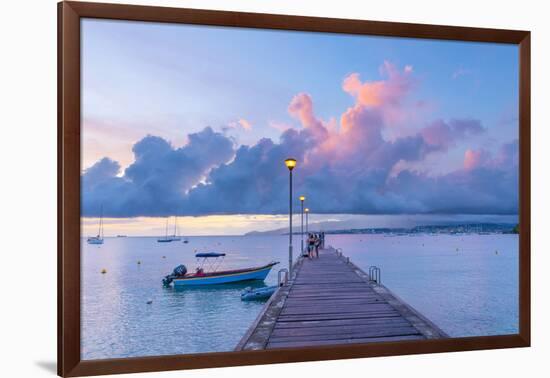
x,y
95,241
168,240
257,274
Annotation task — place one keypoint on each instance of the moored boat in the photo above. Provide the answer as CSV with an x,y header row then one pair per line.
x,y
180,277
95,240
99,238
250,294
170,238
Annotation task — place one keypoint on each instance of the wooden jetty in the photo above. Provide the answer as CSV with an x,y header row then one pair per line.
x,y
331,301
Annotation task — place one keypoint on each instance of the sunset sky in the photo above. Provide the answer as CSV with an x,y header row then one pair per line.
x,y
197,121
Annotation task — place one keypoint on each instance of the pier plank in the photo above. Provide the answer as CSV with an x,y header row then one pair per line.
x,y
331,301
312,343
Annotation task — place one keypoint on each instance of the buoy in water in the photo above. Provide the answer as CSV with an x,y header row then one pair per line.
x,y
139,262
496,252
150,301
103,271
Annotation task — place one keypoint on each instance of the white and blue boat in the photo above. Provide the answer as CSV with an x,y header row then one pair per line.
x,y
213,276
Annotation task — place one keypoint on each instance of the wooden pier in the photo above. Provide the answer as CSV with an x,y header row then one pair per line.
x,y
331,301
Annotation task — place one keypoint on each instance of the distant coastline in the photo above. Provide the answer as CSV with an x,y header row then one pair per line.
x,y
451,229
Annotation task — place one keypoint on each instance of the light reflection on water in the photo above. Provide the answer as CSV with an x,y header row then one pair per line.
x,y
471,291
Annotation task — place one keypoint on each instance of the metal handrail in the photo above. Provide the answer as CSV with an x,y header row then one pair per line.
x,y
375,274
285,271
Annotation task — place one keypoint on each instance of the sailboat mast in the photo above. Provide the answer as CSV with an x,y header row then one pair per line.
x,y
175,225
100,232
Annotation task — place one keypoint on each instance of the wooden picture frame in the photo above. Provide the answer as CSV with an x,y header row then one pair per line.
x,y
69,170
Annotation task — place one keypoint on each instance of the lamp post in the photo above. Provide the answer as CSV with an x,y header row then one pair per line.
x,y
302,199
290,164
307,220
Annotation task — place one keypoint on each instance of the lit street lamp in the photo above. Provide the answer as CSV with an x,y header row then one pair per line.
x,y
290,164
302,199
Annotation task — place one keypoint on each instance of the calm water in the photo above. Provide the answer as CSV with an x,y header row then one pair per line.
x,y
471,291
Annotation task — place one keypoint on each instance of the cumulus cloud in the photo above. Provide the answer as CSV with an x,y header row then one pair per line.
x,y
389,91
390,95
506,157
442,135
158,179
344,166
301,107
477,191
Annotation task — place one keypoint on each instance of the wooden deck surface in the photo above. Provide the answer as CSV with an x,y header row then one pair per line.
x,y
331,301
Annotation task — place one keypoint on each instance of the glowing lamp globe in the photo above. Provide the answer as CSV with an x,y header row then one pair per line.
x,y
290,164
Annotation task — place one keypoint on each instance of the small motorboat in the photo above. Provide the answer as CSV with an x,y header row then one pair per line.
x,y
207,272
250,294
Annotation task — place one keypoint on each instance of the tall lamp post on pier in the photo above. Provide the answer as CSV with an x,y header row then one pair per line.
x,y
290,164
307,220
302,199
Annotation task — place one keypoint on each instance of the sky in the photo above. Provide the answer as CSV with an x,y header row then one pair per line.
x,y
197,121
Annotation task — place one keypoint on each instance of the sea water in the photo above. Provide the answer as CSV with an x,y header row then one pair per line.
x,y
466,284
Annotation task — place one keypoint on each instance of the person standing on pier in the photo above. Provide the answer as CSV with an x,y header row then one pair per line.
x,y
317,244
310,246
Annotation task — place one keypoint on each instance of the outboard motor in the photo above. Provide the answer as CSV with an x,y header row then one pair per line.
x,y
179,271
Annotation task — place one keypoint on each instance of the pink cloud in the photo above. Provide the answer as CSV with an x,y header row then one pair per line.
x,y
245,124
360,138
504,158
361,125
382,92
474,159
391,96
301,107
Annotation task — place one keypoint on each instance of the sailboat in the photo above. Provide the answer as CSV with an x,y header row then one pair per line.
x,y
175,236
170,238
99,238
